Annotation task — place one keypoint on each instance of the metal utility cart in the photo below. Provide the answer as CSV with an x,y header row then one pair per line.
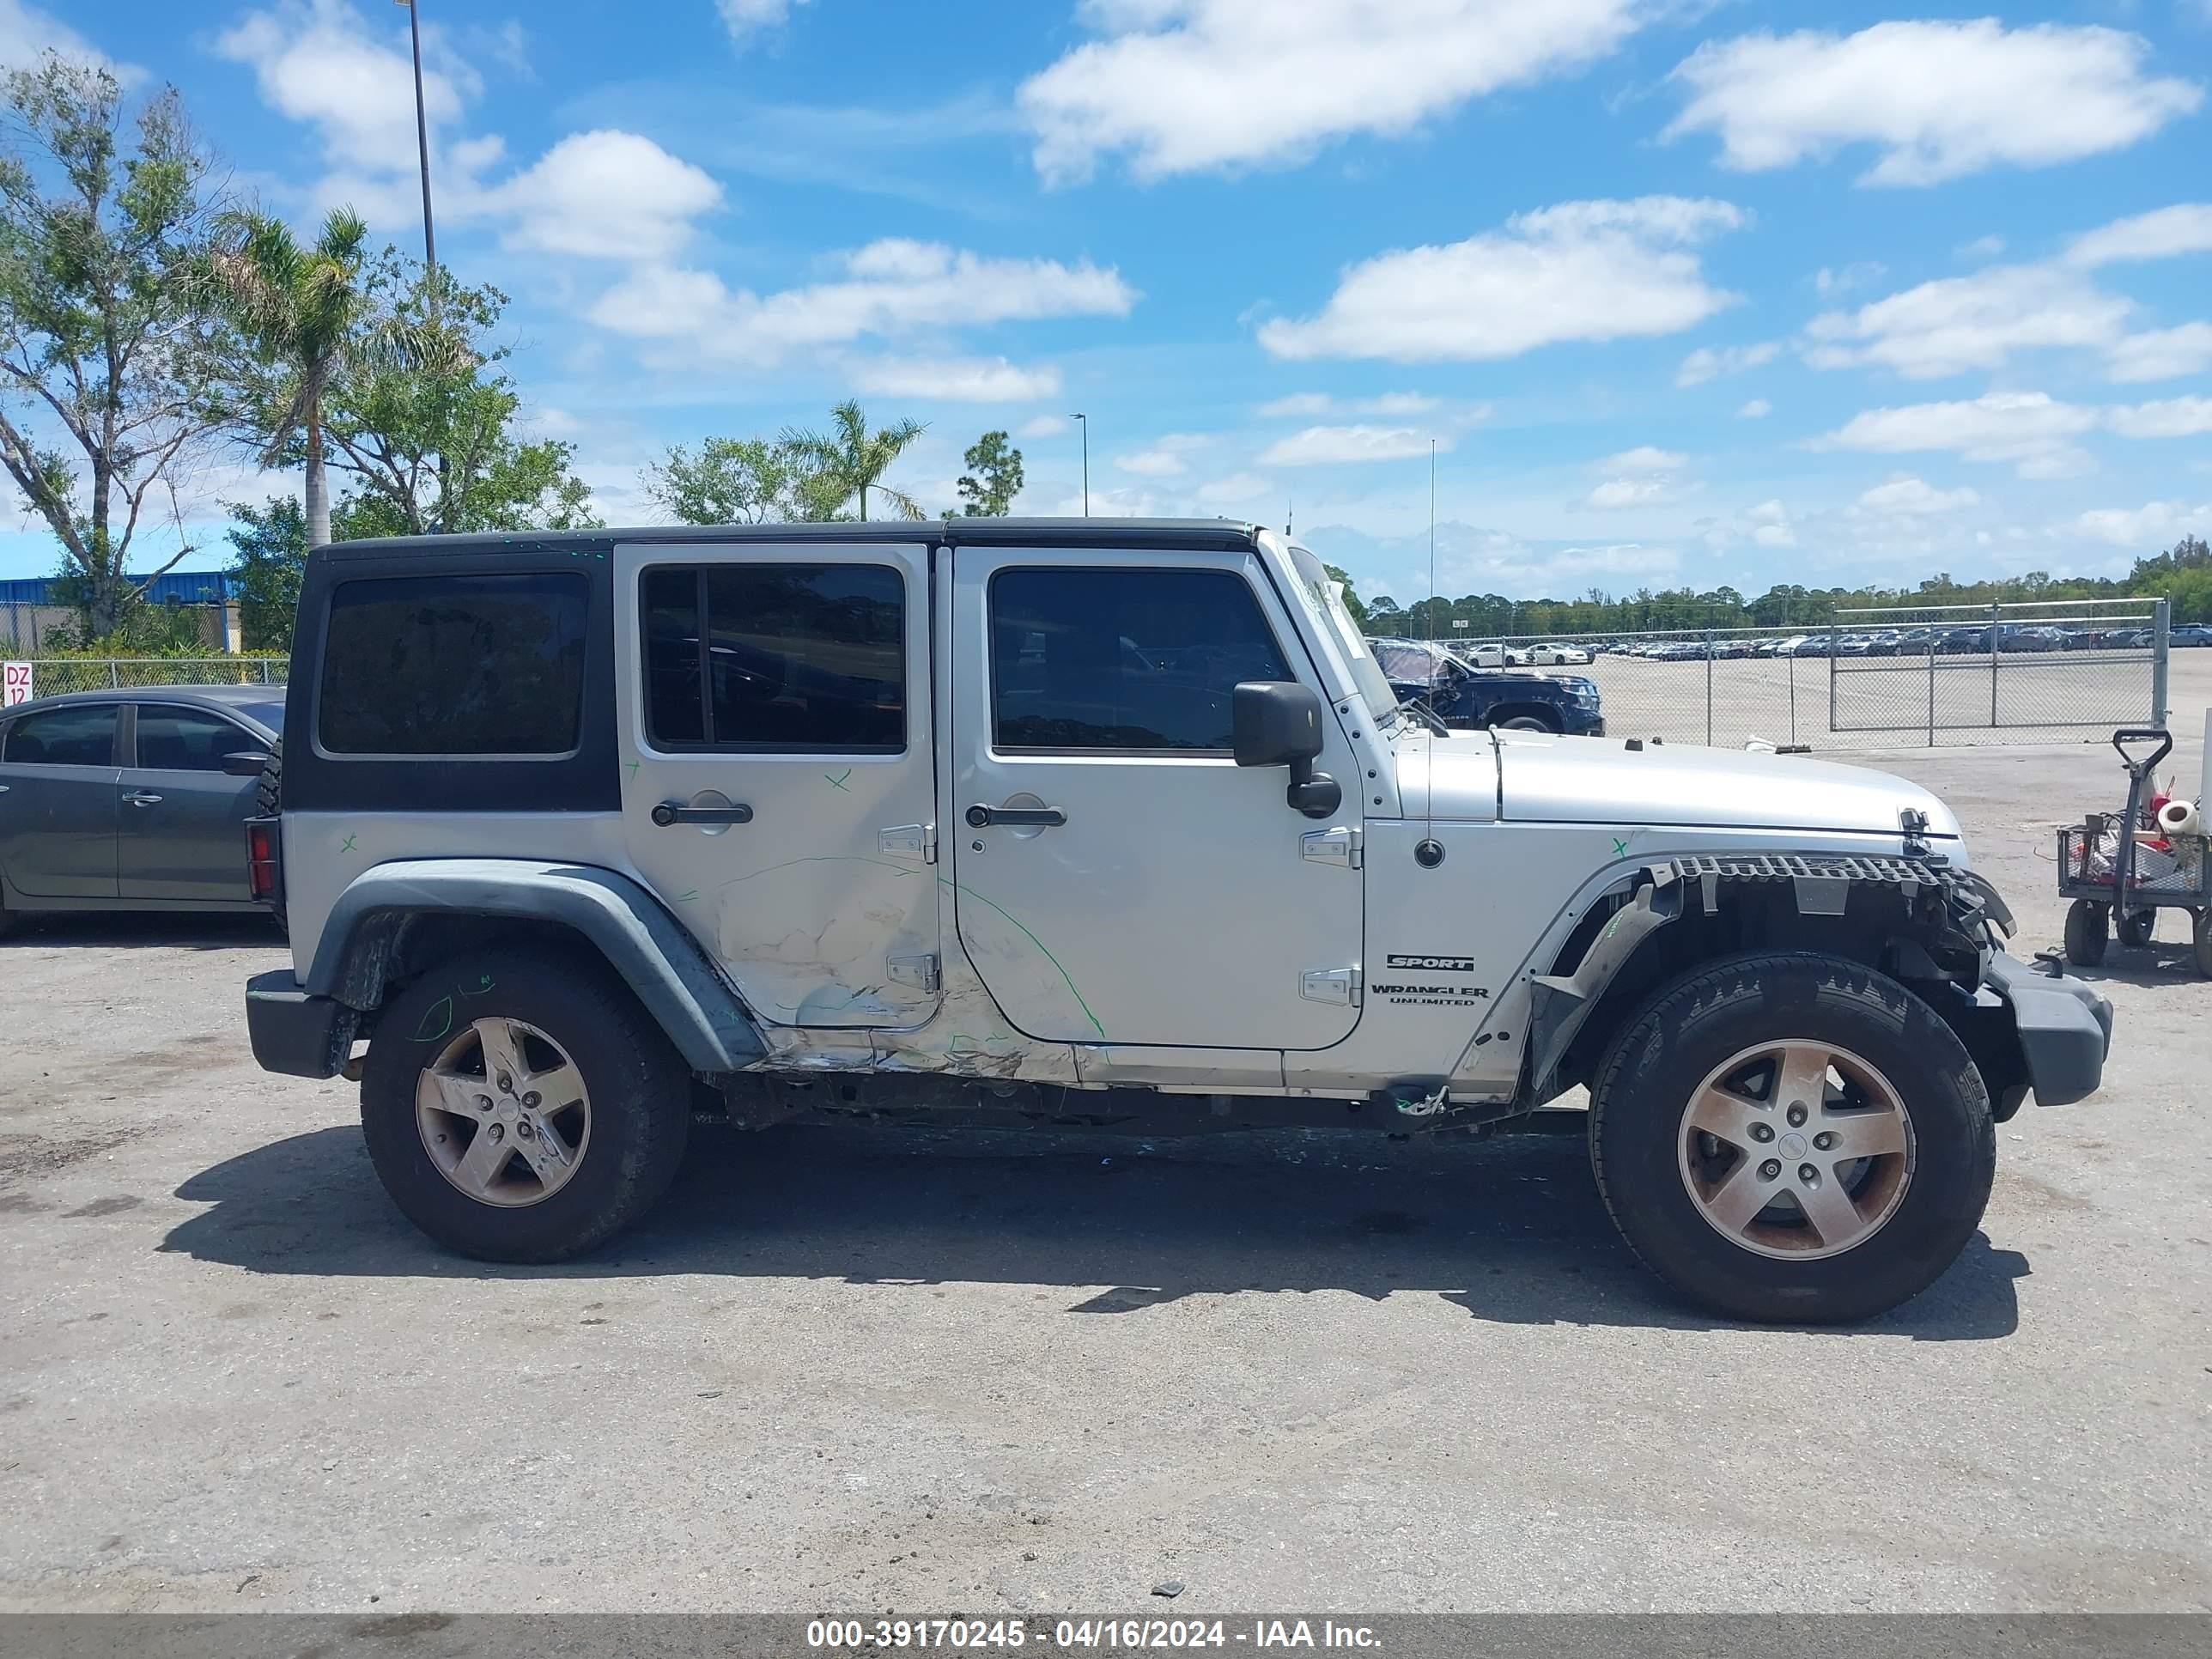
x,y
2118,882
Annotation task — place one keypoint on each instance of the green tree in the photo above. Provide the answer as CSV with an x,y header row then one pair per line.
x,y
106,351
846,462
271,543
993,478
301,308
425,436
729,481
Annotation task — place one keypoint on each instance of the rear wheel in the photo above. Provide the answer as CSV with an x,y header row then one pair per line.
x,y
522,1108
2087,934
1792,1138
2136,928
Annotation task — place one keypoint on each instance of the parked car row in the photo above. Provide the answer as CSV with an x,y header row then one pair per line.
x,y
2010,638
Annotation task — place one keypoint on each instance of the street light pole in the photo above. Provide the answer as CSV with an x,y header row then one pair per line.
x,y
422,150
1085,419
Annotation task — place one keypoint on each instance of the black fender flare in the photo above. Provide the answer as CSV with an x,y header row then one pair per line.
x,y
641,940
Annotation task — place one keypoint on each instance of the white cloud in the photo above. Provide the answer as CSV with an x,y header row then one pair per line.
x,y
1309,404
2176,417
604,194
2031,430
27,33
1981,247
1769,525
2161,353
1044,426
1581,271
889,287
1711,362
600,193
1643,476
2154,524
1860,273
956,379
2186,227
1757,410
1906,496
1325,445
1184,86
1645,458
1968,322
1236,488
746,19
1938,99
1164,458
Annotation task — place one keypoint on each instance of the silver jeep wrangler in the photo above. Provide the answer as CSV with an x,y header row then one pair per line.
x,y
1094,822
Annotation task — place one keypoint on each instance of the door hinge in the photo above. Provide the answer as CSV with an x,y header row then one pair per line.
x,y
920,972
1338,985
914,840
1339,847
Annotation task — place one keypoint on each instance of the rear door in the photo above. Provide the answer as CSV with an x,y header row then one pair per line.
x,y
179,811
57,815
779,793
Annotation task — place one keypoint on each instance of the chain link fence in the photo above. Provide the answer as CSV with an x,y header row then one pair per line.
x,y
51,676
1932,677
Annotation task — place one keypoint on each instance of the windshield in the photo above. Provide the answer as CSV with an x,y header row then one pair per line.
x,y
1325,598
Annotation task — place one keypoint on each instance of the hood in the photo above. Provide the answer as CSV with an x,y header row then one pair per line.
x,y
1601,781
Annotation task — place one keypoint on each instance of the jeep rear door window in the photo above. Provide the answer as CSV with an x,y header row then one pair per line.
x,y
1127,659
439,666
795,659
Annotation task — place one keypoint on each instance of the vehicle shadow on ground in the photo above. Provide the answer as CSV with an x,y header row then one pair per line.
x,y
2160,965
177,930
1511,1231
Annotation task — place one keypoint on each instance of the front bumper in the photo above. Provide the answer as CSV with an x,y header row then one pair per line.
x,y
2065,1028
294,1033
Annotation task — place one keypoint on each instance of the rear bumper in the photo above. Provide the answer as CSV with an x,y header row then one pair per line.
x,y
2065,1028
294,1033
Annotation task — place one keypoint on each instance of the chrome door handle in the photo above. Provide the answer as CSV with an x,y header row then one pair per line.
x,y
1050,817
140,797
675,811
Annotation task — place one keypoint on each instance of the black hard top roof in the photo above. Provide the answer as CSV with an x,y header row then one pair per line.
x,y
1202,534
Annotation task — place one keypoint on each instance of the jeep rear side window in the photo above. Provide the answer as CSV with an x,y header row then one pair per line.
x,y
440,665
792,659
1123,660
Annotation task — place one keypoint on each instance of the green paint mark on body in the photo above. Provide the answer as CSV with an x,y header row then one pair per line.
x,y
838,783
971,893
348,848
686,897
1619,848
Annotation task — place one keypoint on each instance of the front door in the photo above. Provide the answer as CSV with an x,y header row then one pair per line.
x,y
1159,895
181,813
58,800
779,788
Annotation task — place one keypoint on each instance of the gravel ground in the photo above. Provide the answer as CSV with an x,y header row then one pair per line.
x,y
1020,1372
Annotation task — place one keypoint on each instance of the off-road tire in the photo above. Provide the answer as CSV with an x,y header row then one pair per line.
x,y
2086,932
269,803
2136,928
1642,1089
639,1088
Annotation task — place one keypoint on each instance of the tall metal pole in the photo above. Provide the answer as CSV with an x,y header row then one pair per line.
x,y
1432,539
422,150
1085,419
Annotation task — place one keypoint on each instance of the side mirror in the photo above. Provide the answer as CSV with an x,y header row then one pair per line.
x,y
1278,723
246,763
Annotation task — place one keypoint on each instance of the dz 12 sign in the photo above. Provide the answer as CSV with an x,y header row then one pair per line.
x,y
14,683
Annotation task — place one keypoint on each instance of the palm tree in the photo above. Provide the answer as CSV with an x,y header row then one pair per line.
x,y
300,307
846,462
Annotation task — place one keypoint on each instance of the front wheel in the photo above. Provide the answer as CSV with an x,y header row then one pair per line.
x,y
522,1108
1792,1137
1523,723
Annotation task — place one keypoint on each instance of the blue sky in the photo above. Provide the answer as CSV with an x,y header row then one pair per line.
x,y
1685,292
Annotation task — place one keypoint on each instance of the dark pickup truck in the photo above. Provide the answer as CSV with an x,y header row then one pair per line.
x,y
1468,698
